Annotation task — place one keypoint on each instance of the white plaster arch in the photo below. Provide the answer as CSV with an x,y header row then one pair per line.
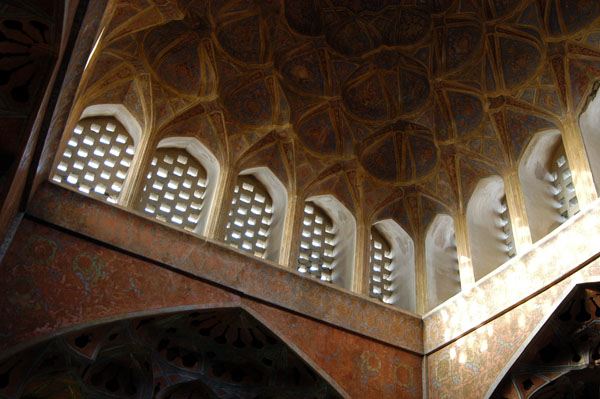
x,y
213,170
279,196
345,239
486,237
535,178
589,125
403,264
120,113
443,276
133,127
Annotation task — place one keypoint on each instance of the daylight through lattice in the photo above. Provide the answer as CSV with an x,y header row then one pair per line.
x,y
564,190
175,188
380,283
506,227
250,216
317,243
97,158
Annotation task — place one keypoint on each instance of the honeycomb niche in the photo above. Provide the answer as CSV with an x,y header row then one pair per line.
x,y
223,353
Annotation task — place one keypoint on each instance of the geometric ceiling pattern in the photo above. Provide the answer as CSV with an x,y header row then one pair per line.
x,y
216,354
397,107
29,40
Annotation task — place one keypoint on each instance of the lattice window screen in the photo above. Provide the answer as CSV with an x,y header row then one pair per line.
x,y
506,227
97,158
175,188
317,244
564,190
380,283
250,216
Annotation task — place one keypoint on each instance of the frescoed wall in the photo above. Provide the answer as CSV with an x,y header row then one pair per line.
x,y
394,110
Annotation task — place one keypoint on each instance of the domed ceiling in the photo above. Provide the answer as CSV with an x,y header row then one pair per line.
x,y
397,107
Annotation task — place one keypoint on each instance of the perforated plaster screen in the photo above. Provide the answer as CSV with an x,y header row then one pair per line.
x,y
97,158
250,216
380,281
175,188
506,227
317,244
563,185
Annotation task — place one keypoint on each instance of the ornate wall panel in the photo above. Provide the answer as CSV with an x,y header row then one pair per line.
x,y
471,366
218,263
56,281
491,296
562,358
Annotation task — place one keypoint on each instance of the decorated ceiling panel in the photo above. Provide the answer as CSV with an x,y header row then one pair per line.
x,y
382,88
30,40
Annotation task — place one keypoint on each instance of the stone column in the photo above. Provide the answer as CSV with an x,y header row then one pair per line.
x,y
215,225
361,259
463,251
516,208
578,162
421,276
288,254
137,171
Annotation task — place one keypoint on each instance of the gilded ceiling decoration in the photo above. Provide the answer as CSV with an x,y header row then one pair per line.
x,y
397,107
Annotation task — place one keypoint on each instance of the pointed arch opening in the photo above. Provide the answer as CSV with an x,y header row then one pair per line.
x,y
443,277
257,214
589,121
392,265
546,183
490,233
328,241
180,184
96,155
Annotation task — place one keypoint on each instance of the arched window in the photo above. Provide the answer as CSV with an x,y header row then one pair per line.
x,y
380,281
317,245
250,216
392,272
564,190
588,124
175,188
180,183
506,228
328,242
443,276
490,233
257,214
547,188
97,158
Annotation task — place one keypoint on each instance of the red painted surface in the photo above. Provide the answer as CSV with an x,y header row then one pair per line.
x,y
222,265
54,281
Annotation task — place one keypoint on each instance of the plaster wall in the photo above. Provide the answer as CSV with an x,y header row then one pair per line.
x,y
488,249
443,279
534,172
403,264
56,282
550,260
228,267
589,125
474,364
